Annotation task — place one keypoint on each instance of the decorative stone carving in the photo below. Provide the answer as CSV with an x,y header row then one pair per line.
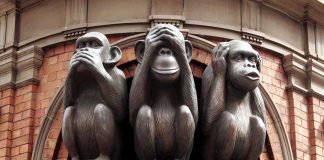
x,y
75,33
232,108
163,103
95,100
176,21
29,61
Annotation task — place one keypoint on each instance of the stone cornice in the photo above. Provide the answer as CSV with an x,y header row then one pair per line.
x,y
295,67
304,76
28,62
315,75
7,69
20,68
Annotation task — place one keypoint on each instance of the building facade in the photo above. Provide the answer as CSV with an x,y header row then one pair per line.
x,y
37,41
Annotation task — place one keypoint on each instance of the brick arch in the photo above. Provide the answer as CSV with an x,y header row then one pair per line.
x,y
49,143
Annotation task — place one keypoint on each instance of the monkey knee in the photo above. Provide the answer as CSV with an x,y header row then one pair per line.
x,y
185,112
185,115
101,109
69,111
228,117
145,113
68,116
227,121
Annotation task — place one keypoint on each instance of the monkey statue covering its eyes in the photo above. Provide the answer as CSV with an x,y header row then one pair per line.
x,y
163,101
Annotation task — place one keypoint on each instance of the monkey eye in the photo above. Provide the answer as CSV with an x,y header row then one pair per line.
x,y
238,58
81,45
252,59
94,44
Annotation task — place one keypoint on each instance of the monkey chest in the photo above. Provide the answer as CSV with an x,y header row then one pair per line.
x,y
164,128
243,138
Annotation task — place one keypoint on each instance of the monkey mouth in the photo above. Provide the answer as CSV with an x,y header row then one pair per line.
x,y
166,71
253,76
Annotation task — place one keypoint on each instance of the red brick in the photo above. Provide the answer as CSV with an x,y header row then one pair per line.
x,y
7,93
6,118
26,148
6,126
4,152
23,123
17,117
26,131
63,57
21,140
40,113
54,133
5,135
69,47
21,156
28,113
50,52
51,77
7,101
52,60
16,133
6,109
59,49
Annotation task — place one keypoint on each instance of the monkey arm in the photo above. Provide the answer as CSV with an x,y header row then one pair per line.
x,y
215,103
257,106
139,88
113,92
136,96
70,91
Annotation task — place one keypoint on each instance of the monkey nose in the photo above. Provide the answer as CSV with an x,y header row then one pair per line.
x,y
84,49
250,65
165,51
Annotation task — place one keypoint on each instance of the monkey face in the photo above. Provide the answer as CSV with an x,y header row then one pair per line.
x,y
243,64
165,67
94,43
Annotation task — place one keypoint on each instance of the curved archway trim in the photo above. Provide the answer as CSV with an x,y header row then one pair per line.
x,y
275,116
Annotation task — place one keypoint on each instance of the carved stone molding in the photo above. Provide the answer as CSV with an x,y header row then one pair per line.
x,y
251,14
19,68
75,33
7,69
295,68
76,12
304,76
253,38
28,62
167,19
315,74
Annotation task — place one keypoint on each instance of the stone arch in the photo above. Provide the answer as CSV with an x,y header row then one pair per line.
x,y
200,60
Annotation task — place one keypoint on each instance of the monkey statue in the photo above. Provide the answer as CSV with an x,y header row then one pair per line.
x,y
95,100
231,107
163,102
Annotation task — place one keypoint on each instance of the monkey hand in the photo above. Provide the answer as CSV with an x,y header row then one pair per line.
x,y
219,63
168,33
89,59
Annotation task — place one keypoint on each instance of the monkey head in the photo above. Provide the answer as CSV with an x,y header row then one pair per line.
x,y
243,69
163,47
94,46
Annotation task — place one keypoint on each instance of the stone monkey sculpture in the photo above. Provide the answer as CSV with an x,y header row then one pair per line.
x,y
232,109
95,100
163,101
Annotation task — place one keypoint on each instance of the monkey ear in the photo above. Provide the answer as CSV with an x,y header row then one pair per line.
x,y
139,50
188,50
115,55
